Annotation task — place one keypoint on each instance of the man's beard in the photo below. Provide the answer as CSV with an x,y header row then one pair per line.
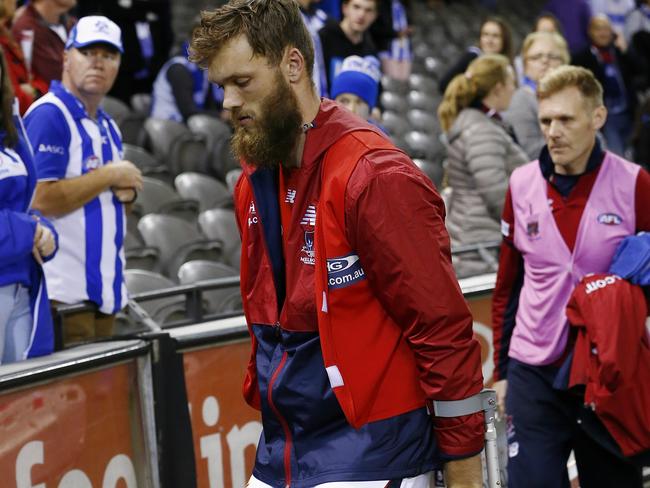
x,y
271,140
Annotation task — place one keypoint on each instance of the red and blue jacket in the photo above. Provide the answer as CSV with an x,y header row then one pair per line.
x,y
356,318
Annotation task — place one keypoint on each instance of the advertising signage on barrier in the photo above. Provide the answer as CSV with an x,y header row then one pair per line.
x,y
225,429
80,431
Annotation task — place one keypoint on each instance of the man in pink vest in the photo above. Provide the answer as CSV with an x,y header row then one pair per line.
x,y
356,320
563,218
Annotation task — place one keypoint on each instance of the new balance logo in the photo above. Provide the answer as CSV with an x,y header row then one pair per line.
x,y
310,216
291,196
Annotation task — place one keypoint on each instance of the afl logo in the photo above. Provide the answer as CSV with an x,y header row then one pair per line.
x,y
610,219
93,162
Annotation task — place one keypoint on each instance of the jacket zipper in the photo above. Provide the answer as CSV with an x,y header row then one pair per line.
x,y
283,422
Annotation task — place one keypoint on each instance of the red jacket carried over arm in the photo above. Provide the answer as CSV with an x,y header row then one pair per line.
x,y
612,356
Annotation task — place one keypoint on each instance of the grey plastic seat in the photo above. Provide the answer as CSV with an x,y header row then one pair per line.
x,y
220,224
207,191
423,146
394,102
423,101
232,177
396,124
159,197
394,85
138,255
433,170
233,257
423,83
177,241
188,153
423,121
146,162
131,124
176,146
162,310
200,270
141,103
116,108
215,132
226,157
434,67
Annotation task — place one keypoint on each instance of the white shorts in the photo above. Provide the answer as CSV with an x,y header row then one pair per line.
x,y
423,481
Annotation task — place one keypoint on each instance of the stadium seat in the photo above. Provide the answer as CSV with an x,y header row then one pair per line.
x,y
423,101
423,83
395,123
116,108
176,146
232,177
220,224
433,170
215,132
394,85
158,197
200,270
207,191
162,310
225,156
138,255
233,258
423,146
177,241
394,102
146,162
141,103
423,121
434,67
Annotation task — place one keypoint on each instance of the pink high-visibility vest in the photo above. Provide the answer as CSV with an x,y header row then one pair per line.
x,y
551,270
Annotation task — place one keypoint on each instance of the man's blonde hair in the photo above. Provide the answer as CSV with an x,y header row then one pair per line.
x,y
567,76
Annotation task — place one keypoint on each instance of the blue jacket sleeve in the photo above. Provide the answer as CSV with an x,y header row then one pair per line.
x,y
16,235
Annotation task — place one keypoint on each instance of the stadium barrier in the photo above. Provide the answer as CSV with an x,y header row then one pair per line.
x,y
162,409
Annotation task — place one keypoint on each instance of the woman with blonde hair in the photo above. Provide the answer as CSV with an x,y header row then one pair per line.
x,y
481,155
541,52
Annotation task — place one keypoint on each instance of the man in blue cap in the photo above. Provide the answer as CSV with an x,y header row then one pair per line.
x,y
83,182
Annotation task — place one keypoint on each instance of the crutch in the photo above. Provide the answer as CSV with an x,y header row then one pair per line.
x,y
485,401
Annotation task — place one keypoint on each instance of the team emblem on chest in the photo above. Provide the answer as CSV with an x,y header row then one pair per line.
x,y
308,223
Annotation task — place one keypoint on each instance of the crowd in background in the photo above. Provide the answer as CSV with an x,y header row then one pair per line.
x,y
488,113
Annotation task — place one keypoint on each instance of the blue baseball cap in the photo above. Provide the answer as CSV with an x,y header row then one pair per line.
x,y
95,29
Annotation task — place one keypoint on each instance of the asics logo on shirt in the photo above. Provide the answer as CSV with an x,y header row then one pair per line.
x,y
51,149
310,216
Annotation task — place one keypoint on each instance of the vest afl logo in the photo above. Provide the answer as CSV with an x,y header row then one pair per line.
x,y
344,271
93,162
609,219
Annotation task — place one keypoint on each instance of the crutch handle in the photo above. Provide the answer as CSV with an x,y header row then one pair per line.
x,y
485,401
